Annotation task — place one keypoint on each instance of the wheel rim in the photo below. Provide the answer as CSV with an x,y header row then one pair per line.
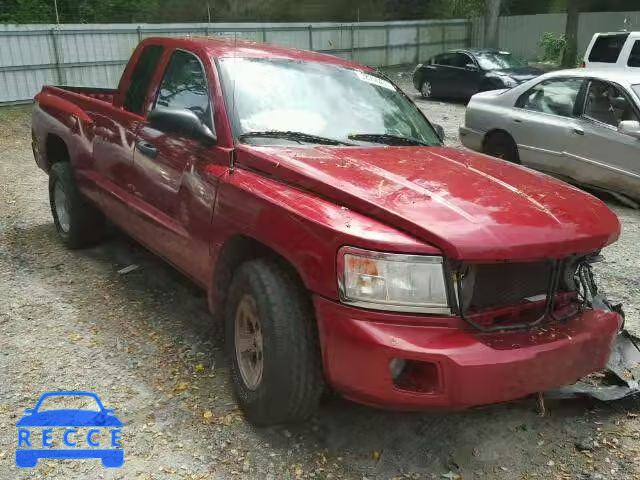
x,y
248,342
62,208
426,89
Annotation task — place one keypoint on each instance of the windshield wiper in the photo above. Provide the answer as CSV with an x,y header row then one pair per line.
x,y
388,139
296,136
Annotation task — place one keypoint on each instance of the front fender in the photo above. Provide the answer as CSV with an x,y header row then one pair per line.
x,y
301,227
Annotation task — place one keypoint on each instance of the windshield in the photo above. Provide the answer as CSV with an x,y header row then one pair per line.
x,y
318,100
499,61
636,88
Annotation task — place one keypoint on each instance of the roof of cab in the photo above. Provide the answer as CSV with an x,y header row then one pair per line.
x,y
230,47
617,75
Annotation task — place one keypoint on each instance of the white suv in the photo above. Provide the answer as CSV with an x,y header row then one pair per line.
x,y
614,50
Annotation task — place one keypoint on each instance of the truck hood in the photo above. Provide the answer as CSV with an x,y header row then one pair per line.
x,y
471,206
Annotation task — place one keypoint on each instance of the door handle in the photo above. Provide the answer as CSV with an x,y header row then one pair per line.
x,y
517,120
578,131
147,149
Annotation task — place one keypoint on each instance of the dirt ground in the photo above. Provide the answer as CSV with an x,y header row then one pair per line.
x,y
143,342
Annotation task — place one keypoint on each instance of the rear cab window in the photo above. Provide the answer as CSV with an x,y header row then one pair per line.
x,y
141,78
607,48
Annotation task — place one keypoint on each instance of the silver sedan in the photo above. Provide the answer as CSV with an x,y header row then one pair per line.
x,y
581,125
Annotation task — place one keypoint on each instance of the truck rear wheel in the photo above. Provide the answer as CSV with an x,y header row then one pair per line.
x,y
272,341
78,223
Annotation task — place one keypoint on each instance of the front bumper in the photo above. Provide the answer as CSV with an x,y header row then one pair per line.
x,y
472,368
470,138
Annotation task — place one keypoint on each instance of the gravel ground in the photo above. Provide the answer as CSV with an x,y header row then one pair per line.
x,y
143,342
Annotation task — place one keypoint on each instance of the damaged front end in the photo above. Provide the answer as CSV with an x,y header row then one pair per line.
x,y
562,289
546,292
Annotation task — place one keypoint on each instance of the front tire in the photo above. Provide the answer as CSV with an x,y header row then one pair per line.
x,y
501,145
272,341
426,89
79,224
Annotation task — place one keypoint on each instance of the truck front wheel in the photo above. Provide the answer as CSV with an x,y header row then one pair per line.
x,y
272,341
78,223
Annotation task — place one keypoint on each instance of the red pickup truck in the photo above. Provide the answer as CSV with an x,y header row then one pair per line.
x,y
339,241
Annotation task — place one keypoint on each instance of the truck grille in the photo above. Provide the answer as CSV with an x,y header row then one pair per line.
x,y
504,284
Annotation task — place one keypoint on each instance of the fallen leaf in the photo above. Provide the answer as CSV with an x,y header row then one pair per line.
x,y
376,455
451,476
208,414
181,387
199,368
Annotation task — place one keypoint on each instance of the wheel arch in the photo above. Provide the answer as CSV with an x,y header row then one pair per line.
x,y
495,131
236,250
56,150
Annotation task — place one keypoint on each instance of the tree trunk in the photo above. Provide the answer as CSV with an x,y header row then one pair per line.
x,y
491,15
570,53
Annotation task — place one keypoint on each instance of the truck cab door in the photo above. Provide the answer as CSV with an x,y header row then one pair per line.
x,y
114,135
176,176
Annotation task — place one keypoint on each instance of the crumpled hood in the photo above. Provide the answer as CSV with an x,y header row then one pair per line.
x,y
471,206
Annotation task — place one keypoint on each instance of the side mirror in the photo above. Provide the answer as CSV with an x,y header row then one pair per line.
x,y
630,127
439,131
471,66
182,122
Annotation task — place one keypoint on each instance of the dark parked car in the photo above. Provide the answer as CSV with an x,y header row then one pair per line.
x,y
463,73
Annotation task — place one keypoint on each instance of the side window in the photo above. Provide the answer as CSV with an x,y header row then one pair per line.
x,y
606,103
634,56
464,60
607,48
141,78
184,85
445,59
556,96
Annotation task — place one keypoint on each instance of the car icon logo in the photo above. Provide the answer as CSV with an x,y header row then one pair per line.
x,y
104,428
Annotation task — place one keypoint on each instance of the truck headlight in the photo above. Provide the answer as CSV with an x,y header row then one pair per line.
x,y
389,281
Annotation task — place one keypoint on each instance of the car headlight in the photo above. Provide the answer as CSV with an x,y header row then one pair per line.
x,y
508,82
389,281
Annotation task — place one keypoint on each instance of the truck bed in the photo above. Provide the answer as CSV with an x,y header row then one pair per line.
x,y
103,94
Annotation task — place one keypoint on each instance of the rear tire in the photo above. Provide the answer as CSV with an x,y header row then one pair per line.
x,y
272,341
501,145
79,224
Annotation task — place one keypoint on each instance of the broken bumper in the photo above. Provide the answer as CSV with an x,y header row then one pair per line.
x,y
464,368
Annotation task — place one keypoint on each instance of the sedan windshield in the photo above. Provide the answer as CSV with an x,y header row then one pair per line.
x,y
499,61
276,101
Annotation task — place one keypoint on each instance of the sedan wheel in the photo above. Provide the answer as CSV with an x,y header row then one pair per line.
x,y
426,90
501,145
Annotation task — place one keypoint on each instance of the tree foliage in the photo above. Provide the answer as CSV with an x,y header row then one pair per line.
x,y
116,11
